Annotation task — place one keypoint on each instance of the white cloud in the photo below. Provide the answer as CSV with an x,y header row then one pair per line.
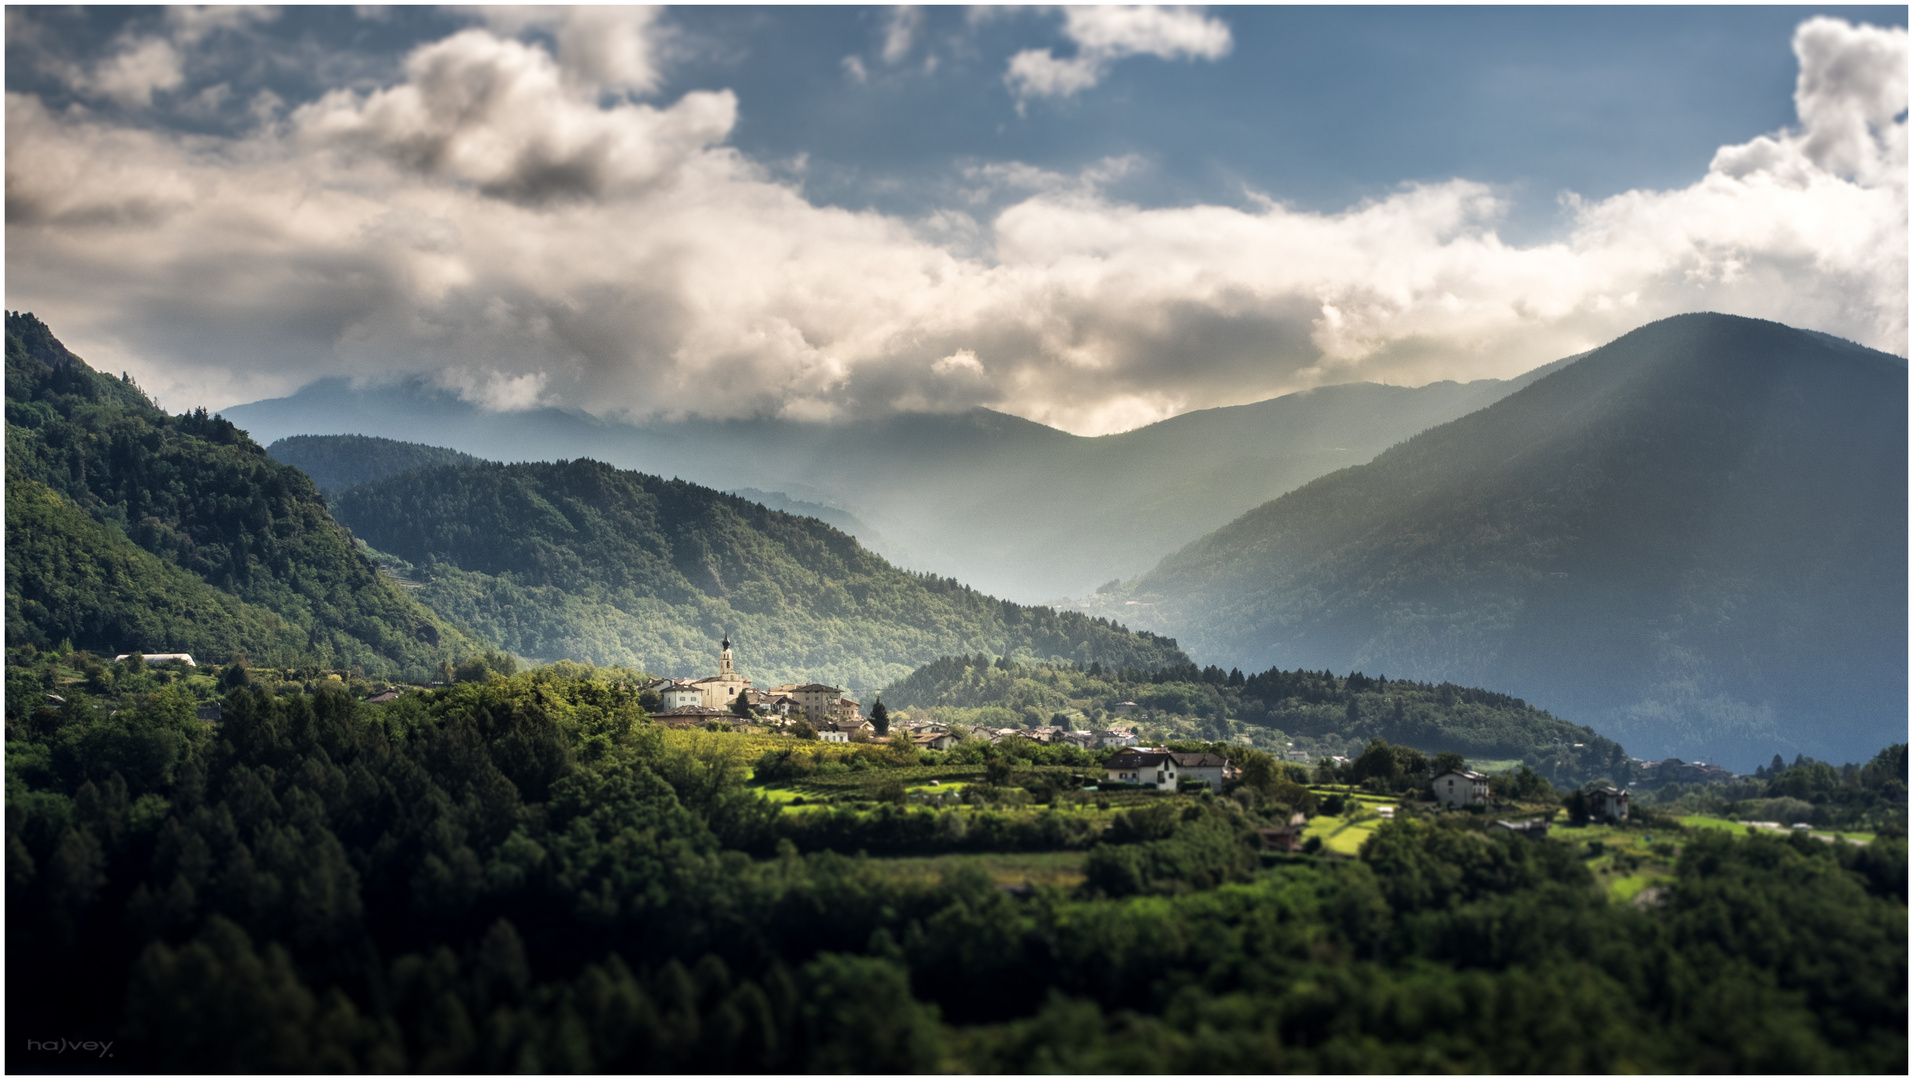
x,y
487,223
499,114
900,33
1104,35
600,48
961,362
134,72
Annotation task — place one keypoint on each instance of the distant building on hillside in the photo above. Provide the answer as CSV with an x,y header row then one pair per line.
x,y
693,716
1166,770
842,729
722,688
160,658
1606,803
677,694
1462,787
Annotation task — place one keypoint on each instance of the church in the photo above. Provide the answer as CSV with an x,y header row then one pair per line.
x,y
721,689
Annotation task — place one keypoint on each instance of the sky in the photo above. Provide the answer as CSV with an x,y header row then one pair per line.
x,y
1094,218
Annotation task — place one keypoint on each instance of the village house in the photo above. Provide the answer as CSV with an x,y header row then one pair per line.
x,y
1119,737
934,740
818,702
1533,830
1165,770
1461,787
1125,708
693,716
160,657
678,694
1606,803
841,729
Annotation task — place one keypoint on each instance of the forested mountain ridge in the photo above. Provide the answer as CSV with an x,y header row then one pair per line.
x,y
583,560
194,492
1693,539
337,462
1045,513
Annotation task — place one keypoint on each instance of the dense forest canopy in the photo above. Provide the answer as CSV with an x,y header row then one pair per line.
x,y
195,494
1692,538
524,873
578,559
337,462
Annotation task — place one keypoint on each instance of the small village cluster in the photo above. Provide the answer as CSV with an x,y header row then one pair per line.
x,y
835,716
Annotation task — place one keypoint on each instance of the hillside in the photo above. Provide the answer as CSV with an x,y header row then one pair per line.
x,y
1312,710
70,578
101,476
1693,539
582,560
1010,506
337,462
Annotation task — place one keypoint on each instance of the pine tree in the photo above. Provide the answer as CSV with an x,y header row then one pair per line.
x,y
880,719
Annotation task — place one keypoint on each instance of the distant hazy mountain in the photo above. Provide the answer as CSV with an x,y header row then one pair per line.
x,y
1012,507
337,462
578,559
132,530
1693,539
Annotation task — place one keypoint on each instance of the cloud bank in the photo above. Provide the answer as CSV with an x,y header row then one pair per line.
x,y
517,221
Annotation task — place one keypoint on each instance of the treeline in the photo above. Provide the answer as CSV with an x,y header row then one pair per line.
x,y
520,874
191,493
337,462
1805,790
1354,708
583,560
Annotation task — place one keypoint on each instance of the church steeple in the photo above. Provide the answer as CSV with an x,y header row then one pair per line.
x,y
724,669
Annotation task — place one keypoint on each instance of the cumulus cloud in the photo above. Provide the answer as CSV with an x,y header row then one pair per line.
x,y
599,48
1104,35
487,223
499,113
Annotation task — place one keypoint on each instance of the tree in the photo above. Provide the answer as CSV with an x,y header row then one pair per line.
x,y
1448,761
742,705
880,719
802,729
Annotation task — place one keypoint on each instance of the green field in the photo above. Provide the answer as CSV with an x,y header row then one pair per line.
x,y
1339,835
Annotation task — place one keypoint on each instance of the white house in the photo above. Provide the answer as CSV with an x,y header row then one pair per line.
x,y
1461,787
1119,737
161,657
1125,708
840,730
1141,766
676,694
1165,770
934,740
1607,803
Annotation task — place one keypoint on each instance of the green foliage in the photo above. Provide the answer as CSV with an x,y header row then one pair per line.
x,y
523,873
1863,796
583,560
194,492
1351,710
337,462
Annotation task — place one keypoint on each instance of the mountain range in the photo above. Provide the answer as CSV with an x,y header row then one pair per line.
x,y
577,559
1693,539
1008,506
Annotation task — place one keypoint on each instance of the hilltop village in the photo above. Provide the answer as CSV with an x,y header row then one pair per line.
x,y
729,698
